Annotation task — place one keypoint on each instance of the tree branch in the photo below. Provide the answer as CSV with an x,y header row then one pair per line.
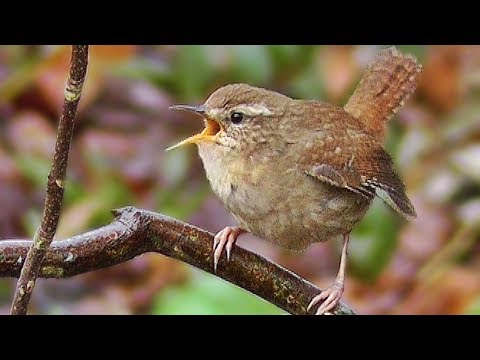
x,y
136,231
55,183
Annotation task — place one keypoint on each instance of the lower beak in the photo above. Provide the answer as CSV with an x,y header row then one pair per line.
x,y
212,127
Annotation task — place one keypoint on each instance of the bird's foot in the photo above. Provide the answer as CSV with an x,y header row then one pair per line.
x,y
330,296
225,239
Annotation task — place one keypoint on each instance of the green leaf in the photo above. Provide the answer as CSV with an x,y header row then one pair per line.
x,y
31,221
208,295
74,192
250,64
5,291
192,72
34,168
474,307
287,58
373,241
112,194
143,69
308,84
284,55
178,203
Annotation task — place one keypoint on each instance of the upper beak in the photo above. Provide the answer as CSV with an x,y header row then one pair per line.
x,y
198,109
212,127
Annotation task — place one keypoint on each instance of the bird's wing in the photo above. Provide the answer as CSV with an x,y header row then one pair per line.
x,y
357,163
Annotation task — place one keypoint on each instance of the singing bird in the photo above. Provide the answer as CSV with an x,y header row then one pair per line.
x,y
296,172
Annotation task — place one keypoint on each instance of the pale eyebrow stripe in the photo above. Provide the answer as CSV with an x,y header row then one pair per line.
x,y
249,110
253,110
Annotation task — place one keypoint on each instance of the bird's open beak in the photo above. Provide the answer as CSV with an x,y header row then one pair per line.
x,y
212,127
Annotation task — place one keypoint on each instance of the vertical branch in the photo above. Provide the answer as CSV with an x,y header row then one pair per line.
x,y
56,182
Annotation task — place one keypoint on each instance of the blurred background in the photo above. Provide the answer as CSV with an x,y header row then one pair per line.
x,y
427,266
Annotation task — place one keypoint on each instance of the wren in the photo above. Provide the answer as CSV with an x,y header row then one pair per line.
x,y
296,172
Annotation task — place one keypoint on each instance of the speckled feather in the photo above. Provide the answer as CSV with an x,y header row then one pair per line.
x,y
344,154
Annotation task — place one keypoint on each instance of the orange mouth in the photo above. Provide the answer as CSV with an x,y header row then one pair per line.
x,y
212,128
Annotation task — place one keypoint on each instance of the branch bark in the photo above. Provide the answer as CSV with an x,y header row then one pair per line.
x,y
55,183
136,231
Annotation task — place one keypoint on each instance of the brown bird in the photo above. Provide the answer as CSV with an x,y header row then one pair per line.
x,y
296,172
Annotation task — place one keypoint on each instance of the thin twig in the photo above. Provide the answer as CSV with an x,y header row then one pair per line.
x,y
55,183
136,231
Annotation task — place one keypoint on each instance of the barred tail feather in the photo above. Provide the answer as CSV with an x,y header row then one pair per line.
x,y
388,82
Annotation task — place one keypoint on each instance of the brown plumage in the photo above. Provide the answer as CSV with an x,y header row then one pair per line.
x,y
348,156
295,172
387,83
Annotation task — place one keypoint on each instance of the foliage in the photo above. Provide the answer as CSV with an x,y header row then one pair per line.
x,y
205,294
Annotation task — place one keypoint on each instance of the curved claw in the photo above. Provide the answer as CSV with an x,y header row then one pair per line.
x,y
330,297
225,239
216,241
232,238
318,298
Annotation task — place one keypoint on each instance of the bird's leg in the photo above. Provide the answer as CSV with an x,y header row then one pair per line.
x,y
225,238
332,294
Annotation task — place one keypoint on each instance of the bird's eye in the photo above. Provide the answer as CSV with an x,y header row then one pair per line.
x,y
236,117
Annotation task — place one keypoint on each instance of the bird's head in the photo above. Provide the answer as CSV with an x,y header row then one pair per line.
x,y
236,116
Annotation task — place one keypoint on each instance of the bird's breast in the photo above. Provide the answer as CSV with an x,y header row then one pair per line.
x,y
217,170
281,204
246,185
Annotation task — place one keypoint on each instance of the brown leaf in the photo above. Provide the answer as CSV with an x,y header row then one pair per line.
x,y
441,82
450,293
52,77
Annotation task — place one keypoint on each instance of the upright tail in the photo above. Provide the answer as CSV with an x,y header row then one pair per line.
x,y
388,82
